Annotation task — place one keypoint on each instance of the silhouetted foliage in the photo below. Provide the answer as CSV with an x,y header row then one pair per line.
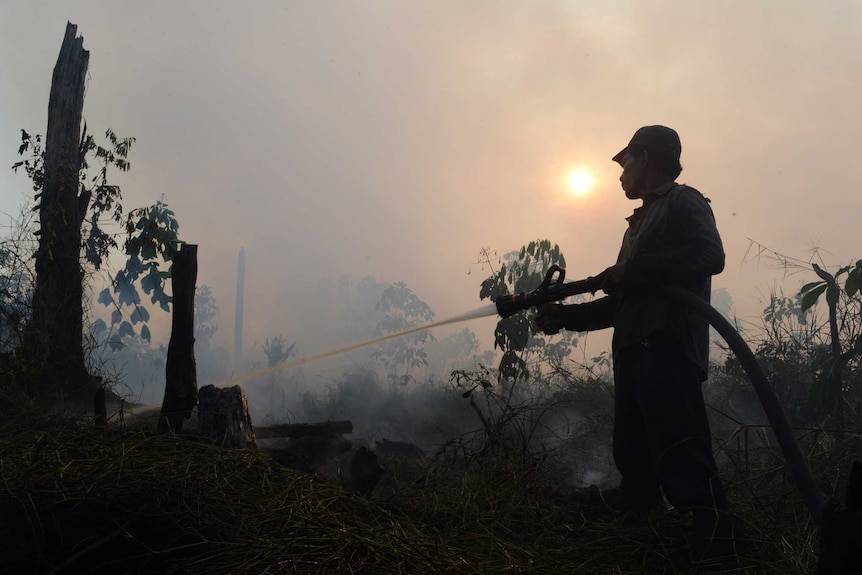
x,y
276,351
516,336
402,310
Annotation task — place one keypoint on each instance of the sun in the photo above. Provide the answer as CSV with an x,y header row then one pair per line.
x,y
580,182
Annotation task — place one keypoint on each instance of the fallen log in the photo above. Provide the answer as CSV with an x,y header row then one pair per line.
x,y
297,430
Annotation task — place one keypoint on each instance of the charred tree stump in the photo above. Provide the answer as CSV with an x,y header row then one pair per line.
x,y
56,341
223,416
181,381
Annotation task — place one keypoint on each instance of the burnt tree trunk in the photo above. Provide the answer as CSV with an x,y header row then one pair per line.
x,y
223,416
181,381
56,340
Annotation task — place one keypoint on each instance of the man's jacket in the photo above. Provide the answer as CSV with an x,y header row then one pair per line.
x,y
671,239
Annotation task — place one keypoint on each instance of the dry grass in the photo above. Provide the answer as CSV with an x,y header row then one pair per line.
x,y
75,498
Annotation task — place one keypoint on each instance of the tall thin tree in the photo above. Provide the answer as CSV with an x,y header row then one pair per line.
x,y
240,290
58,294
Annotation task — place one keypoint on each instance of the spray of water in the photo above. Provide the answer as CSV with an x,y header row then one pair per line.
x,y
484,311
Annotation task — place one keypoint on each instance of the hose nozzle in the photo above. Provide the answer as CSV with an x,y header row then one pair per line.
x,y
551,289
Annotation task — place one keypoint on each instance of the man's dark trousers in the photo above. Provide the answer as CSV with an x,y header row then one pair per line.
x,y
661,432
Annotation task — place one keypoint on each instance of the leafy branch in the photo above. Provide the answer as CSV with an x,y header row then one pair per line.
x,y
521,271
151,232
152,238
403,310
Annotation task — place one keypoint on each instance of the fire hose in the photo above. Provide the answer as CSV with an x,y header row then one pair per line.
x,y
552,289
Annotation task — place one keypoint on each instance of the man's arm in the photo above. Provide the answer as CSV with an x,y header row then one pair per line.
x,y
589,316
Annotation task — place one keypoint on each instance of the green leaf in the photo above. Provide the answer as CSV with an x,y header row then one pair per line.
x,y
115,343
145,333
152,281
854,282
127,293
513,367
140,314
134,266
116,317
105,297
809,286
148,250
126,329
810,298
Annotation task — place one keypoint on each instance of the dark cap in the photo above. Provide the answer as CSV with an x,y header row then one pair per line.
x,y
657,138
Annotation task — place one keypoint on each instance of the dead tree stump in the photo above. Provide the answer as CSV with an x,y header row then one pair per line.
x,y
57,309
223,416
181,380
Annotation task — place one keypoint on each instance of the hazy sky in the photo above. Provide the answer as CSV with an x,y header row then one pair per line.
x,y
397,139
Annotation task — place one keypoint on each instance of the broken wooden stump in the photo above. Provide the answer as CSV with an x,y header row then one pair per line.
x,y
224,418
181,380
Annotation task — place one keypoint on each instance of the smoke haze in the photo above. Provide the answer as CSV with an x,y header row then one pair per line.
x,y
397,139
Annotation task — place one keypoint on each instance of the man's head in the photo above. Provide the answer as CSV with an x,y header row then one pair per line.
x,y
650,158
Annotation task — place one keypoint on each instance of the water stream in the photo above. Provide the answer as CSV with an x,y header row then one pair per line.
x,y
484,311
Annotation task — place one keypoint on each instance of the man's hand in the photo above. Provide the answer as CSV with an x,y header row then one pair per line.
x,y
611,280
549,318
